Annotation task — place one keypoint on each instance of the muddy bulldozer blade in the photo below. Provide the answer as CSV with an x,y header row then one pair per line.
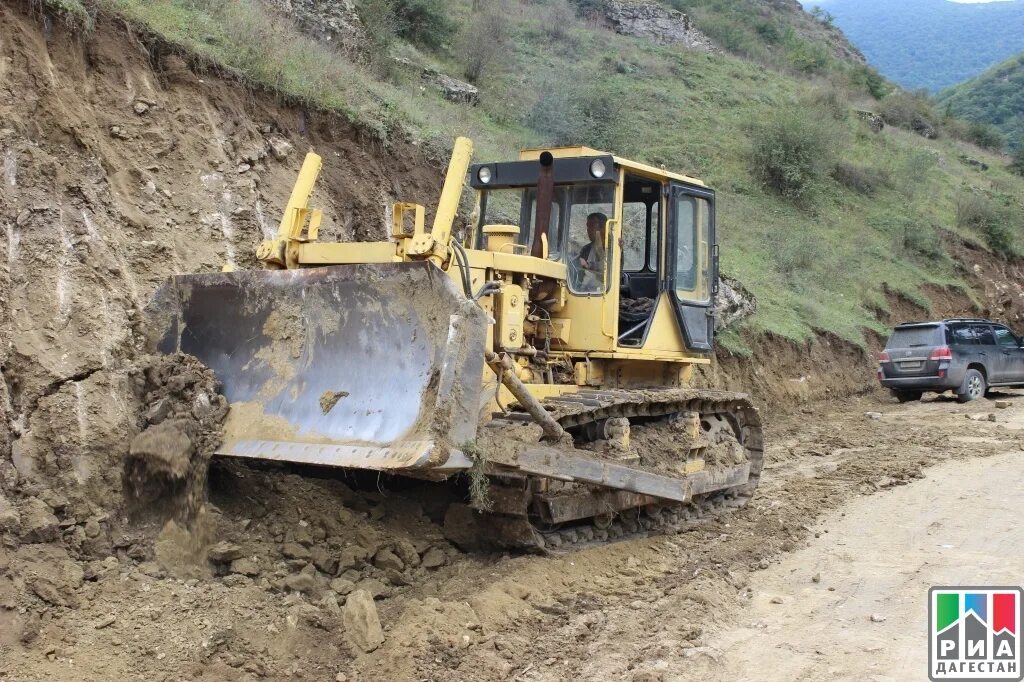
x,y
367,366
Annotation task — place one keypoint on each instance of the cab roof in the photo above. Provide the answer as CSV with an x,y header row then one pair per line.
x,y
533,154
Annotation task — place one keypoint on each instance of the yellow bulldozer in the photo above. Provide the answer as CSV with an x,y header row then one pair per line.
x,y
548,352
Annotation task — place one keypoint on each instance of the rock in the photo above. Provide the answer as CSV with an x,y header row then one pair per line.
x,y
335,23
406,551
93,528
245,566
873,415
352,557
733,302
103,622
816,578
776,600
1002,404
324,560
433,558
362,624
224,552
385,559
140,108
375,587
877,618
280,148
38,524
396,578
656,23
974,163
874,121
341,677
300,582
10,519
341,586
294,550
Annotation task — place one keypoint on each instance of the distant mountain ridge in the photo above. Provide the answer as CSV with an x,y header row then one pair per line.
x,y
995,97
931,44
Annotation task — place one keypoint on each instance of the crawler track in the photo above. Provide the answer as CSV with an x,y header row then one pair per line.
x,y
523,517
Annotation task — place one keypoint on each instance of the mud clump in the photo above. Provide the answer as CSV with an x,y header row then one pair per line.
x,y
167,462
330,398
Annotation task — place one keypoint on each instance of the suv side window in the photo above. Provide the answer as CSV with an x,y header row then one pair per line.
x,y
985,335
1006,338
964,335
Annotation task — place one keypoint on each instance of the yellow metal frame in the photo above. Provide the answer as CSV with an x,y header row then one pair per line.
x,y
584,328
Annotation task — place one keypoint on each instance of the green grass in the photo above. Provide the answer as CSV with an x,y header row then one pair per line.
x,y
818,266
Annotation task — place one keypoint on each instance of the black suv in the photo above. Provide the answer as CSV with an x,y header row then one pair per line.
x,y
965,356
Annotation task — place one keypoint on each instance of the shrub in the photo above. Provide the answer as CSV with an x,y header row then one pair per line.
x,y
977,212
795,251
980,134
911,111
863,77
483,41
833,101
591,8
1017,164
579,112
383,25
861,179
917,237
793,152
424,22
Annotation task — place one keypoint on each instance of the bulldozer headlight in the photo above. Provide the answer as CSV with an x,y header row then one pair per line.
x,y
598,168
484,175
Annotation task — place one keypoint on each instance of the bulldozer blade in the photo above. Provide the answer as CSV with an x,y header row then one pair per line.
x,y
368,366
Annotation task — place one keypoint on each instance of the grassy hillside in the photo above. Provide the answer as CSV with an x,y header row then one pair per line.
x,y
931,44
818,214
996,97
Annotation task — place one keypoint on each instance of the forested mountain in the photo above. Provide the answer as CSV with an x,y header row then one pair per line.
x,y
995,97
932,44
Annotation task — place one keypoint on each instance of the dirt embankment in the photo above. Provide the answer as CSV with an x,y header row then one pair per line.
x,y
122,165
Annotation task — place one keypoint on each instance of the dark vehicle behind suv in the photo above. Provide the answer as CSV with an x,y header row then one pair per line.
x,y
963,355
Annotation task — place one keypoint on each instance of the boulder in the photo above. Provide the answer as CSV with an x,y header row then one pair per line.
x,y
38,524
224,552
433,558
733,302
655,22
362,624
386,559
10,519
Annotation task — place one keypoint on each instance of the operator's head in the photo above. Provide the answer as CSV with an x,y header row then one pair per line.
x,y
595,226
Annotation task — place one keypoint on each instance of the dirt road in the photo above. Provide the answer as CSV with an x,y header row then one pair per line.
x,y
960,526
877,504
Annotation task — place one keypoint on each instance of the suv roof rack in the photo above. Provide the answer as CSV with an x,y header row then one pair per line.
x,y
948,319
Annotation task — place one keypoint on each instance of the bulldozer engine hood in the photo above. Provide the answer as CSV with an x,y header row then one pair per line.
x,y
367,366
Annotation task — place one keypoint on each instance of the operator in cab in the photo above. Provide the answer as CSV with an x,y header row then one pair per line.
x,y
591,258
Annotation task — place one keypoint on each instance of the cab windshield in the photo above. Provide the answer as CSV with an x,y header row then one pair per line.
x,y
577,232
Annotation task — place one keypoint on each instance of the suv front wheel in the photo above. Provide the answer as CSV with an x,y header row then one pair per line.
x,y
973,386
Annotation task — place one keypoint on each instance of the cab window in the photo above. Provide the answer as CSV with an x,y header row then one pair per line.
x,y
692,230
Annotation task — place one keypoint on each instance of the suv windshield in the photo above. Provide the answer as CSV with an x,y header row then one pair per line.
x,y
915,337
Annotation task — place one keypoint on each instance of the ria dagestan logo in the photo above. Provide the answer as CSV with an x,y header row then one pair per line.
x,y
974,633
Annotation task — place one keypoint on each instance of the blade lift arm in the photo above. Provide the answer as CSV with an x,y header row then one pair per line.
x,y
284,251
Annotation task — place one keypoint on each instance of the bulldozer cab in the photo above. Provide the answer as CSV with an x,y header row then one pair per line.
x,y
638,242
